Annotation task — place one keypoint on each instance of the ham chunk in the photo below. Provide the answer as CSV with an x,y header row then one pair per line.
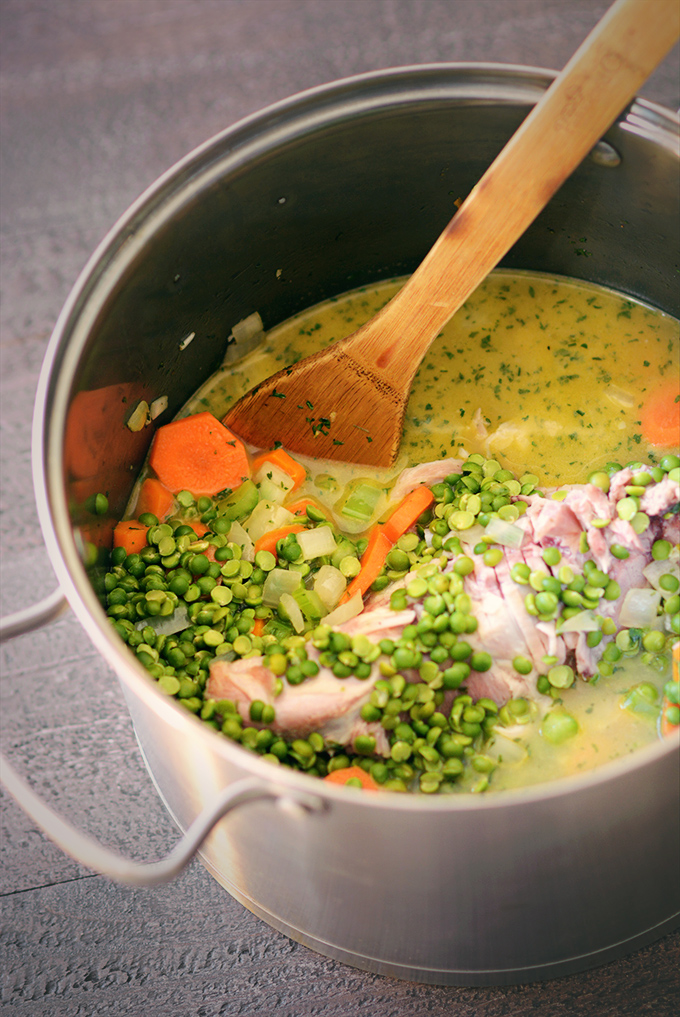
x,y
426,473
329,705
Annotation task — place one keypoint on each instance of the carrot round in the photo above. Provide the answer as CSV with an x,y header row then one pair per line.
x,y
269,540
130,534
280,458
372,561
155,498
660,419
198,454
347,773
407,512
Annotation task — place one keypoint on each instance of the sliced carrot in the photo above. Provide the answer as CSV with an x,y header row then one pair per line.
x,y
258,627
299,507
198,454
97,441
660,417
346,773
407,512
372,561
280,458
269,541
199,528
98,532
130,534
154,497
667,725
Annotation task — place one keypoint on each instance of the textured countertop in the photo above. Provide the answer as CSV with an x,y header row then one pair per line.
x,y
98,98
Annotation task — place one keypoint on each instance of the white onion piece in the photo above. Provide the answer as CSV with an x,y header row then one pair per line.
x,y
504,533
290,606
656,569
168,625
237,535
317,542
471,536
274,483
639,607
504,748
584,621
278,583
265,517
350,609
329,585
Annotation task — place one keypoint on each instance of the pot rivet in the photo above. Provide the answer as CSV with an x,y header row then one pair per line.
x,y
604,154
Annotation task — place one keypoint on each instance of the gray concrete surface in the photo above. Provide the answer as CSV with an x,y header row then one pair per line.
x,y
98,98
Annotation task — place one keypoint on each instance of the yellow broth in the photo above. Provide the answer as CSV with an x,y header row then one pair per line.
x,y
540,373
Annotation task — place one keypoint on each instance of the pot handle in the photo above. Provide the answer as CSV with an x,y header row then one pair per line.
x,y
34,617
92,854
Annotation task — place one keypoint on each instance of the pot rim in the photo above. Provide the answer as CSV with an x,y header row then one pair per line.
x,y
233,148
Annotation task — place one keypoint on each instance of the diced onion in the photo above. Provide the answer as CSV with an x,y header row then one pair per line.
x,y
265,517
278,583
656,569
158,406
237,535
166,625
471,536
504,748
317,542
290,606
245,336
274,483
350,609
584,621
329,584
504,533
639,607
139,416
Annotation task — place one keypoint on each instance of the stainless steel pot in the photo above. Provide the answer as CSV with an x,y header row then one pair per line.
x,y
343,185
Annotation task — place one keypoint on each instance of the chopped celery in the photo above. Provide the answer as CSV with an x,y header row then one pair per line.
x,y
361,502
240,502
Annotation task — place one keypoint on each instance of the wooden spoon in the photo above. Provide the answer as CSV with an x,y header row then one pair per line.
x,y
348,401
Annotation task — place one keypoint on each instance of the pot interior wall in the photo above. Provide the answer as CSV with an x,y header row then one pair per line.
x,y
321,208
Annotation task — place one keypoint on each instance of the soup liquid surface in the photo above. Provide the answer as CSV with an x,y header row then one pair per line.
x,y
540,373
543,374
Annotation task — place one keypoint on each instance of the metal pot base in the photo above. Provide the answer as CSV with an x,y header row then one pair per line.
x,y
451,976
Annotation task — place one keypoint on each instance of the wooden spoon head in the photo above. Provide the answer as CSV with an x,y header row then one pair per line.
x,y
327,406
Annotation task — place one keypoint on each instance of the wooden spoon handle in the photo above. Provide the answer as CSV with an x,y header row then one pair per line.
x,y
581,104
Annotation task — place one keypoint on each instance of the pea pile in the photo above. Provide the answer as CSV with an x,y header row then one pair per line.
x,y
184,601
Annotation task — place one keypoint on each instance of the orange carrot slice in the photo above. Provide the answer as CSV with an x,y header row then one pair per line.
x,y
269,541
299,507
407,512
155,498
198,454
280,458
258,627
199,528
130,534
346,773
372,561
660,417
